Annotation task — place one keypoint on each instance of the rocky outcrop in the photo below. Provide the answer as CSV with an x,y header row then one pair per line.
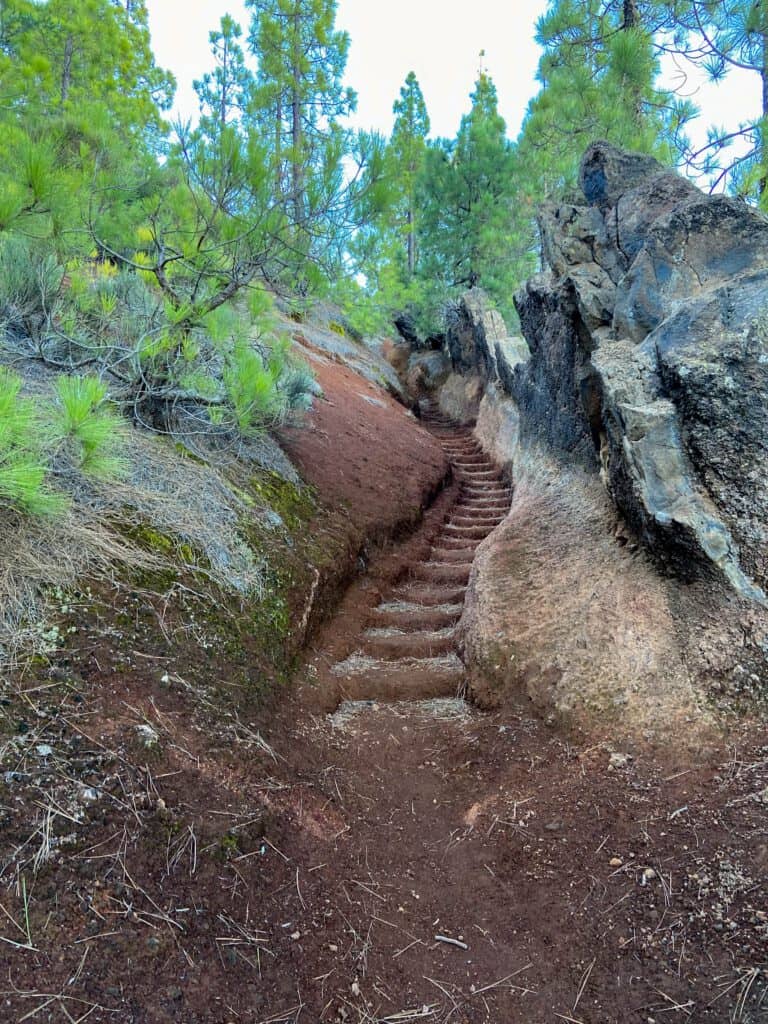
x,y
480,351
660,336
630,576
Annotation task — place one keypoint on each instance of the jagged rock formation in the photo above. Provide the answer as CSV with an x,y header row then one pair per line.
x,y
631,572
665,333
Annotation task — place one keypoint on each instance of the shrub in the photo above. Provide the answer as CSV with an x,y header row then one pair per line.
x,y
30,288
173,367
87,428
23,464
264,384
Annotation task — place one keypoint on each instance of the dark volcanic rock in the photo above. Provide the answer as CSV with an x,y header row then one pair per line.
x,y
473,332
646,360
649,341
633,426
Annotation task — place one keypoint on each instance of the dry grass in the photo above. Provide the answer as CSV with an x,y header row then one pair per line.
x,y
175,498
43,557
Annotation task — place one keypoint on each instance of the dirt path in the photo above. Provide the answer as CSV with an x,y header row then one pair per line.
x,y
408,648
453,866
403,858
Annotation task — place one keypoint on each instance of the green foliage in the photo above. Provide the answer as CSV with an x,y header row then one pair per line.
x,y
408,150
47,441
299,97
88,427
264,384
225,93
720,37
466,198
23,466
598,78
30,287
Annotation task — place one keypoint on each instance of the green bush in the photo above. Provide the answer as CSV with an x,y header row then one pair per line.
x,y
23,463
88,428
30,288
159,359
264,384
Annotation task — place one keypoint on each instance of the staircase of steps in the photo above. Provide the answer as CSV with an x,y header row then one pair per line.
x,y
409,649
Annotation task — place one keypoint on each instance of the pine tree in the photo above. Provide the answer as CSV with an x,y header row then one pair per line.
x,y
598,72
408,149
224,93
300,98
81,104
721,36
466,201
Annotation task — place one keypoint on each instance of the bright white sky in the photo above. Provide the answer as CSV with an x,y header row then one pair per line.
x,y
437,39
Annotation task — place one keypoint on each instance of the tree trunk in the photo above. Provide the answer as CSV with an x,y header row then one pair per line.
x,y
279,144
297,139
631,15
763,186
223,102
411,241
66,71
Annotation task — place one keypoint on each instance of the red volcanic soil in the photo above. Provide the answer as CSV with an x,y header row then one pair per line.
x,y
365,454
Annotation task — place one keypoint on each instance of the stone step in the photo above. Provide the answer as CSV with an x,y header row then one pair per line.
x,y
390,644
489,521
444,709
462,555
431,595
487,510
486,473
483,500
449,543
480,506
487,497
407,615
442,572
364,678
474,531
482,488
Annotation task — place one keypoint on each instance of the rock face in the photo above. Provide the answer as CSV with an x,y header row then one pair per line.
x,y
631,573
655,313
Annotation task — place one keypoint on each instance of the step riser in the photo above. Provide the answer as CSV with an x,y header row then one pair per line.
x,y
416,685
417,646
478,533
442,573
489,517
448,543
480,516
430,594
484,490
460,555
478,507
480,475
424,619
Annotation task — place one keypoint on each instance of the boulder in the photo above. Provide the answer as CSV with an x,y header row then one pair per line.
x,y
427,369
474,329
